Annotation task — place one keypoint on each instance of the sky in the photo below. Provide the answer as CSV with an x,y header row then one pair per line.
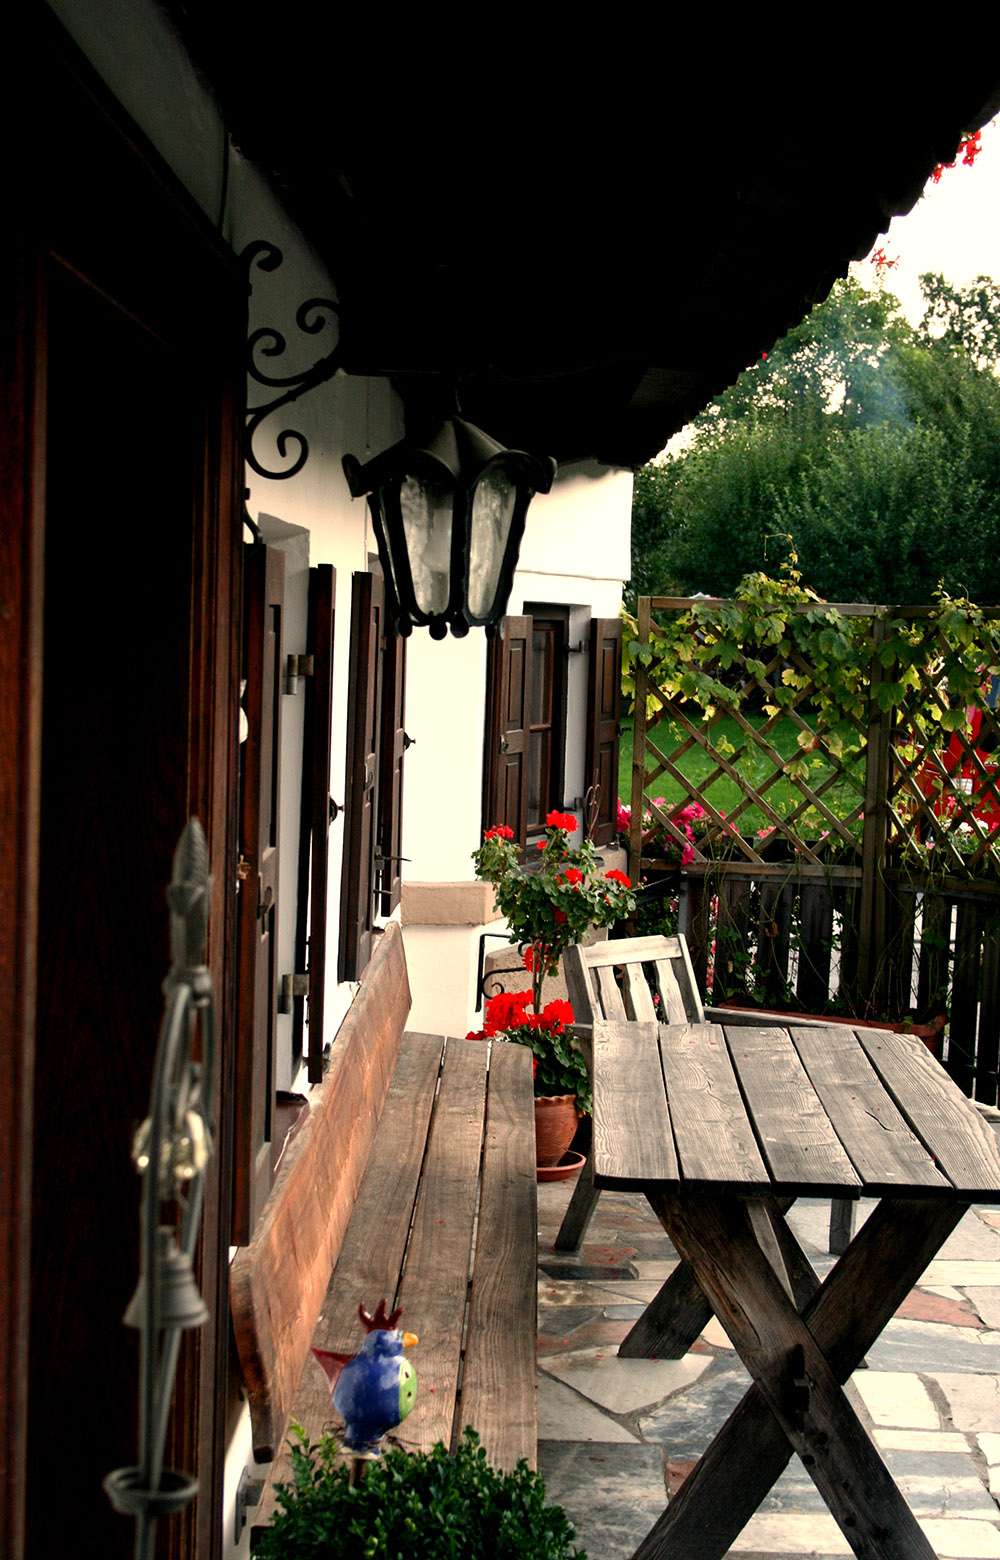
x,y
954,228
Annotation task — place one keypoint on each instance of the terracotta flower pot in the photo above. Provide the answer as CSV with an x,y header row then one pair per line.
x,y
555,1126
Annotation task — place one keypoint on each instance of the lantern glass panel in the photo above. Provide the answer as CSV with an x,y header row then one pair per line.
x,y
427,511
489,527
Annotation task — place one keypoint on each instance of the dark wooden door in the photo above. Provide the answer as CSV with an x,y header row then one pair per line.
x,y
119,360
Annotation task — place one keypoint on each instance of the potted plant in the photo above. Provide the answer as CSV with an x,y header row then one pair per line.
x,y
549,903
562,1082
440,1505
555,899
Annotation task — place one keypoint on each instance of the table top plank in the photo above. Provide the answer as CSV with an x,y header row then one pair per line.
x,y
714,1139
947,1123
801,1149
633,1141
884,1151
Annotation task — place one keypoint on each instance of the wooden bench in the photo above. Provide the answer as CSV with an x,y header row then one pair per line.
x,y
608,980
412,1180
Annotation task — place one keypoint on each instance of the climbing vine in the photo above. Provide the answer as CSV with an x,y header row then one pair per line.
x,y
782,640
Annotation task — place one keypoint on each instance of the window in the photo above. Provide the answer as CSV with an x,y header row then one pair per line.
x,y
528,767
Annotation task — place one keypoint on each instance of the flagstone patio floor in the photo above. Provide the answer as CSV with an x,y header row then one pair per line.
x,y
617,1436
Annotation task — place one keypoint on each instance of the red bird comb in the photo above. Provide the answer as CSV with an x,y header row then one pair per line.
x,y
380,1322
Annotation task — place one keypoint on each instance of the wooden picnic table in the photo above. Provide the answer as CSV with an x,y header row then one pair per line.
x,y
722,1128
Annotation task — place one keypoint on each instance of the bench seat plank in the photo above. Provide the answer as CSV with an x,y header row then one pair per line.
x,y
435,1279
498,1384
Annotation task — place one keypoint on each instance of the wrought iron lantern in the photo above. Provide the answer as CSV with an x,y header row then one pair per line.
x,y
449,517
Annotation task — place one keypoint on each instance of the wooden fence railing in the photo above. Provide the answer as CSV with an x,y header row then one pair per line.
x,y
871,874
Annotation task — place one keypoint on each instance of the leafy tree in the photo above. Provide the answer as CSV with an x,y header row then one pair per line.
x,y
872,448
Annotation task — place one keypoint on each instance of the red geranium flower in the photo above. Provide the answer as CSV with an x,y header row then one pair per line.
x,y
559,820
499,830
618,877
572,875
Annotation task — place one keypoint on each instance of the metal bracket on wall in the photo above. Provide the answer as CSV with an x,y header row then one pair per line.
x,y
312,318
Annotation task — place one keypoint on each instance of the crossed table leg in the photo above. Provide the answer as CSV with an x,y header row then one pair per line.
x,y
799,1352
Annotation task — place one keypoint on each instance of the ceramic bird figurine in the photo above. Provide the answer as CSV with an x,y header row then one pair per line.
x,y
373,1390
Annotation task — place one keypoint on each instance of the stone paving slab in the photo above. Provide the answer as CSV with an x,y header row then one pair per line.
x,y
625,1386
565,1416
625,1493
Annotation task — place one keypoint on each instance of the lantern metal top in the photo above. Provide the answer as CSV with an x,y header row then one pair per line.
x,y
449,517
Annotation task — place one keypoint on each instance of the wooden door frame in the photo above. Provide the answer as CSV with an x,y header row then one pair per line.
x,y
72,136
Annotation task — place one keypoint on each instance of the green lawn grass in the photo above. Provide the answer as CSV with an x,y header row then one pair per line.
x,y
723,792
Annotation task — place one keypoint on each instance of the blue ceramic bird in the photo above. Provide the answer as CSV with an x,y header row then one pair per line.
x,y
373,1390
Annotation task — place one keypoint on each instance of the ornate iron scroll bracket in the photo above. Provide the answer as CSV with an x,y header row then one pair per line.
x,y
313,317
171,1151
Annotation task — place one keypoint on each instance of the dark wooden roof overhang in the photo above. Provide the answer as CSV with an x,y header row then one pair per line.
x,y
589,243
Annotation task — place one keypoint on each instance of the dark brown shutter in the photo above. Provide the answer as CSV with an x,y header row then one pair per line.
x,y
505,765
361,801
604,687
314,835
264,581
390,805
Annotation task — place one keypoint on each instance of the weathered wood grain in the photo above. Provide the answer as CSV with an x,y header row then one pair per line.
x,y
882,1148
794,1377
949,1126
498,1381
751,1451
639,998
796,1139
435,1279
372,1252
671,1001
712,1134
277,1283
609,998
632,1137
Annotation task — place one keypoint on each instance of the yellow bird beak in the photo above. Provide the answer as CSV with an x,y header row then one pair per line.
x,y
409,1339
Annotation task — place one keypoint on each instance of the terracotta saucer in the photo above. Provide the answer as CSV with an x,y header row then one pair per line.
x,y
568,1165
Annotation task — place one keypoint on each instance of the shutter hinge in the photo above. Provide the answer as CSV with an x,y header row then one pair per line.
x,y
292,986
296,667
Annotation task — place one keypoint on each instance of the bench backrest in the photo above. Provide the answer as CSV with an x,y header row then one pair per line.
x,y
608,980
278,1282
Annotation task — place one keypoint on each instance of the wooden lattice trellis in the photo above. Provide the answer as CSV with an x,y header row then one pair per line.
x,y
885,821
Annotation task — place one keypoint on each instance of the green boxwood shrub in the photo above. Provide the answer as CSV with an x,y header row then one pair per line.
x,y
437,1505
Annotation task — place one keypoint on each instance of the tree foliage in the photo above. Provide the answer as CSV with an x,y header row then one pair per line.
x,y
872,448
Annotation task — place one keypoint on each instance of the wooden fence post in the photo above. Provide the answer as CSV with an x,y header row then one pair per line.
x,y
872,897
639,745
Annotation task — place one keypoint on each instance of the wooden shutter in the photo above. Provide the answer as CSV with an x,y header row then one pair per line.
x,y
393,748
505,764
604,687
264,580
314,835
361,801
